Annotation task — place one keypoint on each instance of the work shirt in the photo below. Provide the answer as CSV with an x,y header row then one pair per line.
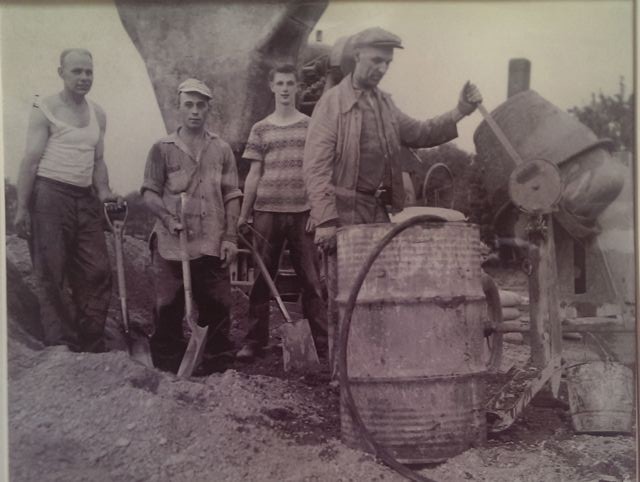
x,y
374,168
210,180
279,148
332,150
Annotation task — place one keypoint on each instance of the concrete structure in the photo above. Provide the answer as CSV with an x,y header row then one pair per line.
x,y
230,46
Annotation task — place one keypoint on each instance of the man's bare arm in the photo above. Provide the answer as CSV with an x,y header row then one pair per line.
x,y
100,172
37,136
229,248
250,190
232,211
155,204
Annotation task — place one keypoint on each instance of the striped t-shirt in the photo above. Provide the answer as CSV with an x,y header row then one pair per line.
x,y
280,149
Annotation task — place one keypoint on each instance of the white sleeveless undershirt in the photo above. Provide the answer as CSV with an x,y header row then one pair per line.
x,y
69,155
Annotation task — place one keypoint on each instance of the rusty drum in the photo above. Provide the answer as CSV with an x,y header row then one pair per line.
x,y
415,348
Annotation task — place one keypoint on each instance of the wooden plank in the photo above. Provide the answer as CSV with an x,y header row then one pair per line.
x,y
575,325
507,405
546,332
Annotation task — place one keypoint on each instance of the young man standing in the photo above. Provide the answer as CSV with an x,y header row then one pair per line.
x,y
199,163
275,194
62,183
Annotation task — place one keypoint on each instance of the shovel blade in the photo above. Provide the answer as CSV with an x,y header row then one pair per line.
x,y
194,350
298,350
140,351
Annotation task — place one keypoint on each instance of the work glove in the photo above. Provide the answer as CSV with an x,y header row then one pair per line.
x,y
325,238
228,252
470,97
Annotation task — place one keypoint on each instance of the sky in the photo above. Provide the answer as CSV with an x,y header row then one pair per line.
x,y
575,48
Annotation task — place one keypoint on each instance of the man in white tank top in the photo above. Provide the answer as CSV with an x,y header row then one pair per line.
x,y
62,184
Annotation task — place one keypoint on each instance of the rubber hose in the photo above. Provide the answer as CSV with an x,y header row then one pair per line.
x,y
380,451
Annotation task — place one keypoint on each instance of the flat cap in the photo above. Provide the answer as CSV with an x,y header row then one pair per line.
x,y
377,37
195,85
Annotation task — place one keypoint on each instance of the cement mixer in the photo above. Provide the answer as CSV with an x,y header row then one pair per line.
x,y
540,130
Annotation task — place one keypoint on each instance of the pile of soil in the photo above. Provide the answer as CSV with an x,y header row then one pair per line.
x,y
104,417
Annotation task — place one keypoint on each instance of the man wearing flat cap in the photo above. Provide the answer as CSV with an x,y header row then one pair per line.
x,y
352,151
199,163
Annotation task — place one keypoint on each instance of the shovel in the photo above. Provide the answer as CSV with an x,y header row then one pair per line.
x,y
137,343
195,348
298,350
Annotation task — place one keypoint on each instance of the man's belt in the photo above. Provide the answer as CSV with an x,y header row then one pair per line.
x,y
381,193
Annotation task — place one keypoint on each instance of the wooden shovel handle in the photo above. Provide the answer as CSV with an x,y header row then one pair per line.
x,y
118,231
267,278
500,135
186,267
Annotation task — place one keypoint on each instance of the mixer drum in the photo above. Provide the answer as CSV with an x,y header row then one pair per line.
x,y
539,130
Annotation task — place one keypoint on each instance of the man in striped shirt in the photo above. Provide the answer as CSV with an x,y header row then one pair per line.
x,y
275,194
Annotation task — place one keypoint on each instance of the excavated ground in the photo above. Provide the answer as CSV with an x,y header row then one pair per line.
x,y
103,417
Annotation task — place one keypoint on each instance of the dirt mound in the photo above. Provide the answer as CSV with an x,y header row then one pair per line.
x,y
24,319
102,417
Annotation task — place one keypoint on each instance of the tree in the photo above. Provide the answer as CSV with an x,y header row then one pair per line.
x,y
611,117
10,205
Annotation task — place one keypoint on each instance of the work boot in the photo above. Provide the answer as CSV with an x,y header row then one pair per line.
x,y
220,347
168,357
322,345
249,352
210,365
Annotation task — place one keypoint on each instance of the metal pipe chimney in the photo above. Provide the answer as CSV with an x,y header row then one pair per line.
x,y
519,76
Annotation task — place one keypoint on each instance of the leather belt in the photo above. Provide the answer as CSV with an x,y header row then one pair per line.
x,y
377,193
382,194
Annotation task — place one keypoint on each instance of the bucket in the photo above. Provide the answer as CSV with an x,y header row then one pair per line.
x,y
415,361
601,397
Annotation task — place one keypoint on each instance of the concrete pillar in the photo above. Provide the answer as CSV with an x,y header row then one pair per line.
x,y
519,76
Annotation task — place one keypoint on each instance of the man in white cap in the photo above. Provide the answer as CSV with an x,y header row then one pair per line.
x,y
63,180
199,163
352,151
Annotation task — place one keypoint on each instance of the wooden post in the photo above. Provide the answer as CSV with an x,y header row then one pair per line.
x,y
545,329
546,332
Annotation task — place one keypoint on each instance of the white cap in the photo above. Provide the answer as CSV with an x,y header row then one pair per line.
x,y
195,85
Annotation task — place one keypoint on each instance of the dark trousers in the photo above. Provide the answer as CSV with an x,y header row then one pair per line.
x,y
272,229
71,262
211,288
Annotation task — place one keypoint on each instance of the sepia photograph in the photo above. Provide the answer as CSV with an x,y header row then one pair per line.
x,y
319,240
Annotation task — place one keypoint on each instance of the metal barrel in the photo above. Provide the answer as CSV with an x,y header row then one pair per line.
x,y
415,347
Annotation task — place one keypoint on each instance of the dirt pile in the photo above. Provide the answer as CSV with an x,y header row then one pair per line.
x,y
103,417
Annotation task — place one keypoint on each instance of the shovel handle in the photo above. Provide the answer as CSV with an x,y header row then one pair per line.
x,y
116,216
118,231
116,213
267,278
500,135
186,267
